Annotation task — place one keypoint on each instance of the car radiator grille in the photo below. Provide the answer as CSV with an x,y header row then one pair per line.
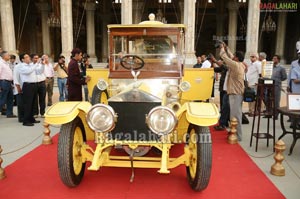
x,y
131,124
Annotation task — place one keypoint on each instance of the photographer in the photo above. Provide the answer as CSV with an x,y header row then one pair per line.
x,y
234,82
62,75
40,99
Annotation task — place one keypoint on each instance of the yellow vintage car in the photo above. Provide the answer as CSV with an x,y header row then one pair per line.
x,y
145,101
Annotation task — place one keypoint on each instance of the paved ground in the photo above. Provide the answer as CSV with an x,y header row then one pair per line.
x,y
17,140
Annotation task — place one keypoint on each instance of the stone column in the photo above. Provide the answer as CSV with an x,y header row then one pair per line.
x,y
280,37
181,7
44,7
66,27
220,18
104,41
90,24
137,11
7,25
105,18
1,37
189,21
232,28
32,36
220,8
126,12
252,27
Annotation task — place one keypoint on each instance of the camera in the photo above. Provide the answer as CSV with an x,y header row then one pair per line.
x,y
85,57
218,43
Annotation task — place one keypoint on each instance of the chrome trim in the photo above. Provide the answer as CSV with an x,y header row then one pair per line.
x,y
111,120
185,86
161,108
102,84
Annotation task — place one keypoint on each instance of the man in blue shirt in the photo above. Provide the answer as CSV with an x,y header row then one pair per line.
x,y
295,75
278,75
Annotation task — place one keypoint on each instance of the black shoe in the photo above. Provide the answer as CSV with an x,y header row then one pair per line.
x,y
28,124
267,116
219,128
36,121
11,116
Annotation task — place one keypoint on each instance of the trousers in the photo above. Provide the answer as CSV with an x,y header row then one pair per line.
x,y
235,103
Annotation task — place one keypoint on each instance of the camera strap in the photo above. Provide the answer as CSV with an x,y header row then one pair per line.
x,y
63,69
246,81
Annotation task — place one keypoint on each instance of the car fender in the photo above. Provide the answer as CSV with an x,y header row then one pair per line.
x,y
64,112
199,113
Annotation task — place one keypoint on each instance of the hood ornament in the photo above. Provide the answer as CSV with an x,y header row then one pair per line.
x,y
135,75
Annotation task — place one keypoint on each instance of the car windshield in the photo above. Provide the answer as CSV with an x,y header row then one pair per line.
x,y
159,53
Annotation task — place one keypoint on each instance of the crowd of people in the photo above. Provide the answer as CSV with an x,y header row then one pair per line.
x,y
235,72
32,79
31,82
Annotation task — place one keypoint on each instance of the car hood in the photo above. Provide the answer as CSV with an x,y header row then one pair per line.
x,y
134,95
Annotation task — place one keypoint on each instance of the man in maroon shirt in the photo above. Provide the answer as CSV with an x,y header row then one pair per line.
x,y
75,77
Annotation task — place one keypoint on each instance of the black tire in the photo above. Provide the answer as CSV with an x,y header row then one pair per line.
x,y
99,96
199,170
71,170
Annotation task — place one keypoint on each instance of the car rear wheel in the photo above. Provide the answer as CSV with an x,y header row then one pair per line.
x,y
99,96
70,163
200,161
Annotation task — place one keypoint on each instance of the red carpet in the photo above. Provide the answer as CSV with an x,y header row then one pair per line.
x,y
234,175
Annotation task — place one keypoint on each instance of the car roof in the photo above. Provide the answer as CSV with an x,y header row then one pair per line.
x,y
146,25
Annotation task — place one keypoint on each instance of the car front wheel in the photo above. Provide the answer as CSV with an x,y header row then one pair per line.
x,y
200,160
70,163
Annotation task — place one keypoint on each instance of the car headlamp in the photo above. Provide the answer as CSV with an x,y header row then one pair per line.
x,y
101,118
161,120
102,84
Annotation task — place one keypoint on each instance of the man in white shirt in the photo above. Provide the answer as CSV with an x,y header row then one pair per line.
x,y
49,73
12,62
18,92
6,85
207,63
40,102
28,73
253,73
